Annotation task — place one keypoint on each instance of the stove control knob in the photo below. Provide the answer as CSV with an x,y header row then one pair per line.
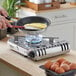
x,y
38,46
31,54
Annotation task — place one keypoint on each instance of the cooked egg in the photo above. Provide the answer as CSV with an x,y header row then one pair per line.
x,y
30,27
35,26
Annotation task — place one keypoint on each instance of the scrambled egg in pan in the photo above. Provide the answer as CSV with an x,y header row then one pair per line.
x,y
35,26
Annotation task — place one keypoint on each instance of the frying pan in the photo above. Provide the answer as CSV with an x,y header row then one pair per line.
x,y
32,19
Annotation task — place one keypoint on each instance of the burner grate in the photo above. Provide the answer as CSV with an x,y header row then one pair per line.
x,y
33,39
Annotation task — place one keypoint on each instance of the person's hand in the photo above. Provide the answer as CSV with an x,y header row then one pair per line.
x,y
3,12
4,22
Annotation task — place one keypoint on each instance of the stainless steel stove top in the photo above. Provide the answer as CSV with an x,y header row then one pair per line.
x,y
48,47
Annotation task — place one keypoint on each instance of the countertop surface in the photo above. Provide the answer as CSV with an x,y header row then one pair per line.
x,y
62,7
25,65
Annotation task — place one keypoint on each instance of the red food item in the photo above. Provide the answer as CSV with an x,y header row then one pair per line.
x,y
66,67
48,64
54,66
60,60
72,66
59,70
60,66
